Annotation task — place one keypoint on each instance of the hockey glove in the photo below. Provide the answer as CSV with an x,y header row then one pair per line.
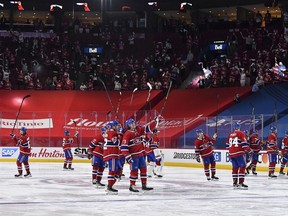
x,y
89,155
129,160
76,134
198,159
12,135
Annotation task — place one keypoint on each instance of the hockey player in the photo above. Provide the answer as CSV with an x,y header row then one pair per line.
x,y
272,150
237,145
255,145
248,156
95,151
23,141
284,153
66,145
151,144
203,147
111,155
133,149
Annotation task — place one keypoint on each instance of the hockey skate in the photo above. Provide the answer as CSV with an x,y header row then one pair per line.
x,y
214,178
254,173
208,178
235,186
65,168
99,184
111,190
242,186
18,176
145,188
247,171
28,175
272,176
281,173
70,168
133,189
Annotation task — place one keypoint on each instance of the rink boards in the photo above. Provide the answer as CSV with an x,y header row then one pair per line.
x,y
172,157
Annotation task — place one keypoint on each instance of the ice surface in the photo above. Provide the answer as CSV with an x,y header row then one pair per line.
x,y
182,191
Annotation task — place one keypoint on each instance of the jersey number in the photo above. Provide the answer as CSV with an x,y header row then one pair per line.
x,y
233,141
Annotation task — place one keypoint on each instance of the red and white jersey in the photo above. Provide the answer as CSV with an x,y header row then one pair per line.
x,y
284,148
66,143
96,146
255,143
111,146
24,144
237,144
203,146
132,143
272,143
151,144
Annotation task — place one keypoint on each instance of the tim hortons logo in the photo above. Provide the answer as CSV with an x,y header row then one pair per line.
x,y
45,153
79,122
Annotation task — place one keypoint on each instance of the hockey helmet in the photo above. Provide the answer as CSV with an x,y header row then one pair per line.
x,y
286,133
198,131
104,129
255,132
23,130
273,128
113,123
129,122
236,126
67,132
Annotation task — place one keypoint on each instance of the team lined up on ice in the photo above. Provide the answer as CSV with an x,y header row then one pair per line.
x,y
114,146
243,150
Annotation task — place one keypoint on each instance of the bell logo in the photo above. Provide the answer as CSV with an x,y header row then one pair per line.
x,y
218,47
8,152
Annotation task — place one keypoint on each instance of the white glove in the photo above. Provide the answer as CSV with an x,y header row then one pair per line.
x,y
76,134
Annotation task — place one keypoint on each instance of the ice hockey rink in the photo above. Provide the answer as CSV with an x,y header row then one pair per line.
x,y
182,191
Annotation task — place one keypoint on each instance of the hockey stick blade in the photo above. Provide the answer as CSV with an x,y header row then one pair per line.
x,y
149,85
27,96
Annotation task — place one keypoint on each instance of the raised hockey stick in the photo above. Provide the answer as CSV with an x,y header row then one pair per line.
x,y
77,140
149,94
26,96
119,102
148,98
165,99
131,100
132,96
109,98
